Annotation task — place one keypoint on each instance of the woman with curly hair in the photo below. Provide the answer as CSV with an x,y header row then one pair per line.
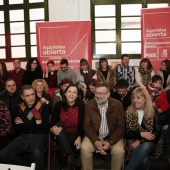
x,y
164,72
105,73
33,71
144,73
41,88
143,129
4,75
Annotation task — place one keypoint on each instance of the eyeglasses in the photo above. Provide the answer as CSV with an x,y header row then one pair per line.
x,y
100,94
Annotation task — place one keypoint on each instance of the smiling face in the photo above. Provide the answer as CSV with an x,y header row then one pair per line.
x,y
144,65
50,67
84,67
125,61
101,95
39,87
104,65
122,91
138,101
71,95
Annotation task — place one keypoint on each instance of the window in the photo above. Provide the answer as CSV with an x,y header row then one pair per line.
x,y
18,27
117,28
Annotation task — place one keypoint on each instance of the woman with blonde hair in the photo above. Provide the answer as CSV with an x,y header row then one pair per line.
x,y
85,74
143,129
41,88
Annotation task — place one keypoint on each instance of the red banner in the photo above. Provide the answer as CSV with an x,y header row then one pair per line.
x,y
59,40
155,35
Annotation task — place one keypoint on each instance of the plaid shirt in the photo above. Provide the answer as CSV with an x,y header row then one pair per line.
x,y
127,73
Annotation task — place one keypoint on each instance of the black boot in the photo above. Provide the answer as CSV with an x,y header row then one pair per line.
x,y
70,162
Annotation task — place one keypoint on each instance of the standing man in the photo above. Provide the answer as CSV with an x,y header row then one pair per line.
x,y
66,72
122,94
32,122
124,71
104,128
17,73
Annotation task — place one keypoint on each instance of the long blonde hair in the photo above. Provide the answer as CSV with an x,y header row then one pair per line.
x,y
148,108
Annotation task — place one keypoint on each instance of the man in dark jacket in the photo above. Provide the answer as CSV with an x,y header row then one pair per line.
x,y
11,97
104,126
32,122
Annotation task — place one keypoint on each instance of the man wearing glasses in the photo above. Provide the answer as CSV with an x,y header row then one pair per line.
x,y
66,72
104,128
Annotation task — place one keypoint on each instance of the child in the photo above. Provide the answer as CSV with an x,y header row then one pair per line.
x,y
157,94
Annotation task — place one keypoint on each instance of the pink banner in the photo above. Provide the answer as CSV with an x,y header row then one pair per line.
x,y
59,40
155,29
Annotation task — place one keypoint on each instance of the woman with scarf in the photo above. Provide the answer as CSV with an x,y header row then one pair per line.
x,y
41,88
142,130
67,125
164,72
51,77
144,73
85,74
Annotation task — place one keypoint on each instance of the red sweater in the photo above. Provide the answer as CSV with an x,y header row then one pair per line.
x,y
17,77
162,101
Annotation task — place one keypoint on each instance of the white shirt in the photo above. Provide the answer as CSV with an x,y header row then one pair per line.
x,y
140,116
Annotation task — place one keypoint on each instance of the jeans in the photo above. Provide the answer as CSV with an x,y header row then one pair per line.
x,y
139,156
36,142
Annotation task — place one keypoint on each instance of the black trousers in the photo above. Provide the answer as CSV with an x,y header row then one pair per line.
x,y
65,142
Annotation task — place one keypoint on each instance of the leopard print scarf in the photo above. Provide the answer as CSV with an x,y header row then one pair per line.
x,y
145,75
132,124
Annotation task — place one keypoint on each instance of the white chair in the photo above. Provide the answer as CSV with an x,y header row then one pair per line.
x,y
16,167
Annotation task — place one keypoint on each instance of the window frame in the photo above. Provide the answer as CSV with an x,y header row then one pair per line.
x,y
25,6
118,29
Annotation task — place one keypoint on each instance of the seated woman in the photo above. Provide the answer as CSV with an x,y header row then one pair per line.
x,y
88,94
67,124
59,92
85,74
143,129
41,88
144,73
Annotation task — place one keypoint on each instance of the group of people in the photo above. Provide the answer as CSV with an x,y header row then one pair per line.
x,y
92,111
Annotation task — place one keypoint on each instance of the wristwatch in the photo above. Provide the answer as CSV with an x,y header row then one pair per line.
x,y
111,142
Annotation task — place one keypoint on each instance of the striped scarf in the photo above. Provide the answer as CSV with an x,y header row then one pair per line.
x,y
34,112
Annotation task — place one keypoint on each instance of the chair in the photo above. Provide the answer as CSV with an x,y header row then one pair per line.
x,y
16,167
